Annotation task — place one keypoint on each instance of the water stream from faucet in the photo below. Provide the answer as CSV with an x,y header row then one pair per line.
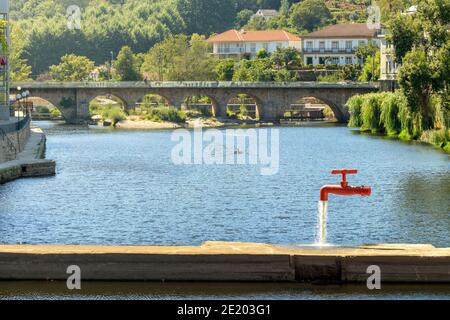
x,y
322,225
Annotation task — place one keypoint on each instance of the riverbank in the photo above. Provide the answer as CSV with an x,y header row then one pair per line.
x,y
136,124
228,261
30,162
426,139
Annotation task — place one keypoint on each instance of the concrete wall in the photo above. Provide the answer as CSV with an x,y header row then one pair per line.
x,y
13,141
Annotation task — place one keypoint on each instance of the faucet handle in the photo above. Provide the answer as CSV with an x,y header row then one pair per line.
x,y
344,173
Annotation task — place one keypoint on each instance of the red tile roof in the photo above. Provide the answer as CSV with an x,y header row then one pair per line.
x,y
350,30
256,36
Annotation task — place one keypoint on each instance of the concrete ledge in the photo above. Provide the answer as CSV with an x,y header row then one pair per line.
x,y
221,261
30,162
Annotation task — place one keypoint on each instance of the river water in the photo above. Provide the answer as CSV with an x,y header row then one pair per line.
x,y
121,187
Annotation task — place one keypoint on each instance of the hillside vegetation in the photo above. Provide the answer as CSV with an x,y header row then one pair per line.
x,y
43,37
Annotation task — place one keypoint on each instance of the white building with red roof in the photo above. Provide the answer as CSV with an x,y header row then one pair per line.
x,y
337,44
233,43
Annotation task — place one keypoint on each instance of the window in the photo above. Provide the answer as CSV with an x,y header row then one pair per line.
x,y
279,45
309,45
322,45
335,60
348,45
227,47
361,42
309,60
266,46
348,60
253,47
335,45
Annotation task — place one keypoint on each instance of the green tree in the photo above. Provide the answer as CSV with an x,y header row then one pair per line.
x,y
225,70
371,68
364,51
72,68
126,66
19,69
180,58
405,32
242,18
309,15
421,41
286,58
262,54
206,16
415,78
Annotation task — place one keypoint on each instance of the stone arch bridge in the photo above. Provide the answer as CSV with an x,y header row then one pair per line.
x,y
272,99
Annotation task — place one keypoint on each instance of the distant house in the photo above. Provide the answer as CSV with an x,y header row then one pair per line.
x,y
240,44
388,65
336,44
266,14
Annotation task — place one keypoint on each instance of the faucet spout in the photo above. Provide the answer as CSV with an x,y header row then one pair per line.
x,y
344,189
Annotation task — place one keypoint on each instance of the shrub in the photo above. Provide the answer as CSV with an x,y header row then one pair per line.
x,y
439,138
334,77
170,114
42,109
55,112
115,114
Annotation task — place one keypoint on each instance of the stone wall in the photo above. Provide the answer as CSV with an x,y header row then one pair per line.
x,y
13,141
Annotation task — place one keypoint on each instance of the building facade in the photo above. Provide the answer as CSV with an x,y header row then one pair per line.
x,y
337,44
246,44
266,14
4,65
389,67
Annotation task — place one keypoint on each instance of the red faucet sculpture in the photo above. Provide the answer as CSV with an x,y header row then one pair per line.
x,y
344,189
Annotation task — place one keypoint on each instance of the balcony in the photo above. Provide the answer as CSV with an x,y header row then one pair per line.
x,y
329,50
230,51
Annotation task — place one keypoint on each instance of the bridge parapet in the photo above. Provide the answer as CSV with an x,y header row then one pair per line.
x,y
195,84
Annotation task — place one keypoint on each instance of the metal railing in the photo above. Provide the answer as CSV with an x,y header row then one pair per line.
x,y
329,50
11,128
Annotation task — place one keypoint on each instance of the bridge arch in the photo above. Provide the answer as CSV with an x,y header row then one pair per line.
x,y
153,99
52,101
247,102
207,104
339,110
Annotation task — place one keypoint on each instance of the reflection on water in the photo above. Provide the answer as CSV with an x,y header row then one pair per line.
x,y
152,290
120,187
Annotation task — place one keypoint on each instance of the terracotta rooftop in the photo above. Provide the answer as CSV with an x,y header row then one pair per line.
x,y
256,36
350,30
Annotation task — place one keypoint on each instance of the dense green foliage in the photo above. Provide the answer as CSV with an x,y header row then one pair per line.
x,y
390,113
41,26
421,108
180,58
422,43
72,68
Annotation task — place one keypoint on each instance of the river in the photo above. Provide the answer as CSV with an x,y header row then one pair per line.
x,y
121,187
